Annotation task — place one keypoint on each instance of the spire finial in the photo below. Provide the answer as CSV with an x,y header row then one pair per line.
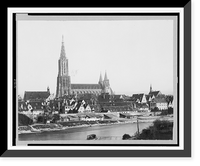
x,y
62,38
62,54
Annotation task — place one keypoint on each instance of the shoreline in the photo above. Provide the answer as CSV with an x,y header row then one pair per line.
x,y
140,120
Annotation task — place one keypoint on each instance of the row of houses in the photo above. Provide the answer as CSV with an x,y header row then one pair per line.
x,y
152,100
136,102
38,102
56,106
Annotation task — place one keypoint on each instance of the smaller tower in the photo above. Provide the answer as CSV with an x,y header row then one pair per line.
x,y
151,88
106,84
100,81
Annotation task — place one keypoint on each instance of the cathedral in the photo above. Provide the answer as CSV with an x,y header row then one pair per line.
x,y
65,87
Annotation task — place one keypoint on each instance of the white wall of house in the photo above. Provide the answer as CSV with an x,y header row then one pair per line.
x,y
162,106
81,109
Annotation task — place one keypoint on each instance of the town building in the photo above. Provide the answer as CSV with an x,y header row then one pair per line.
x,y
36,95
152,94
160,103
139,98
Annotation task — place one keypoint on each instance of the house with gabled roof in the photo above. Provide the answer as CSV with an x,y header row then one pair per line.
x,y
159,102
36,95
139,98
87,108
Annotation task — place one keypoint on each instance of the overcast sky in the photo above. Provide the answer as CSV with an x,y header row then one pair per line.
x,y
134,53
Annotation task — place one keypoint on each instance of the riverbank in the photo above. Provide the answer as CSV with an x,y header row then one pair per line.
x,y
81,124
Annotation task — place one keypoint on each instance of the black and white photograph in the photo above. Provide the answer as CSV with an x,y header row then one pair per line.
x,y
98,82
96,79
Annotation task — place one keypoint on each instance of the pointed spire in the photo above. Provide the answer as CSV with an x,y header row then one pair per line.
x,y
105,77
150,88
100,78
62,53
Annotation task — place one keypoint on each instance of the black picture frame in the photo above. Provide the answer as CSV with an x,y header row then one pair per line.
x,y
186,152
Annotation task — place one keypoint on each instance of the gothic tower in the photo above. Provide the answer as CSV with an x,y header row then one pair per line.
x,y
106,84
100,81
63,79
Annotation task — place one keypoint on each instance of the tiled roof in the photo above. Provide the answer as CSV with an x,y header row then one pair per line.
x,y
159,100
36,95
104,98
155,93
85,86
147,97
135,97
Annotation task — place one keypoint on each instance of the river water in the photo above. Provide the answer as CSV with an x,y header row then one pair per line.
x,y
80,133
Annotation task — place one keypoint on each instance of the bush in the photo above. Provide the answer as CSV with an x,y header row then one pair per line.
x,y
24,120
160,130
41,119
167,111
126,136
155,109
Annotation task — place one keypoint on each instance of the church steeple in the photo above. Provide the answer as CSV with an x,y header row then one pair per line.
x,y
106,84
100,79
62,53
151,88
105,77
63,79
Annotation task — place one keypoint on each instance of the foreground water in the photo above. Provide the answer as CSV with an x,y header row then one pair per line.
x,y
115,130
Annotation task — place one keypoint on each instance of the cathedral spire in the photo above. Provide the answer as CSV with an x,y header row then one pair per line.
x,y
105,77
62,53
100,79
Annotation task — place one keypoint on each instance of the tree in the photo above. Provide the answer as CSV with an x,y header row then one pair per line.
x,y
155,109
126,136
24,120
169,98
40,119
160,130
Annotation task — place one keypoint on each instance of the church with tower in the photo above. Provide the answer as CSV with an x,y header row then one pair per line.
x,y
65,87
